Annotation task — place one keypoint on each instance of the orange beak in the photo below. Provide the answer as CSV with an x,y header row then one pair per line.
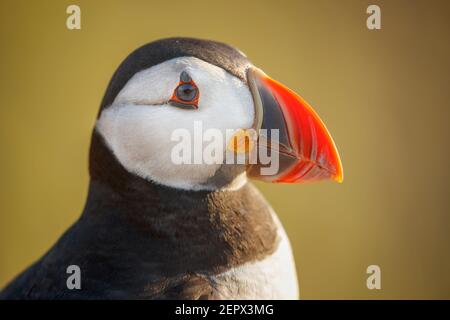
x,y
305,148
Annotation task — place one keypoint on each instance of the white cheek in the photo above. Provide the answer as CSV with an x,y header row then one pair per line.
x,y
153,85
140,138
139,135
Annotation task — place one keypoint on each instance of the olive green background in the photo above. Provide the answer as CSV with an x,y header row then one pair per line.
x,y
384,95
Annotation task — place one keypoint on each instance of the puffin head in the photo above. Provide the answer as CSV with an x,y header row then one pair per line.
x,y
174,98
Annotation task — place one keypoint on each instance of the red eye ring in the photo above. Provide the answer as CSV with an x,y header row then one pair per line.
x,y
186,94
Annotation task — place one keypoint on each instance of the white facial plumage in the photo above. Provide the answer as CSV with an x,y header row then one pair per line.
x,y
138,126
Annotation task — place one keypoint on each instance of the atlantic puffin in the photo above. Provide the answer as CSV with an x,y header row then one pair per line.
x,y
153,229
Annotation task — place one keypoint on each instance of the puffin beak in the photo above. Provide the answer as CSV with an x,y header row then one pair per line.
x,y
305,149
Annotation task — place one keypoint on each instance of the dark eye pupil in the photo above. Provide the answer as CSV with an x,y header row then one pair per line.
x,y
186,92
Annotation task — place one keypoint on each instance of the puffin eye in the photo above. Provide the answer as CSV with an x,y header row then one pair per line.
x,y
186,94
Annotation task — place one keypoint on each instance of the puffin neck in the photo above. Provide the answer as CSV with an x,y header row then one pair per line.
x,y
202,228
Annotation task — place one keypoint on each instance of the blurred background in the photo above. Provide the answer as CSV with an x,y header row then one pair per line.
x,y
384,95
